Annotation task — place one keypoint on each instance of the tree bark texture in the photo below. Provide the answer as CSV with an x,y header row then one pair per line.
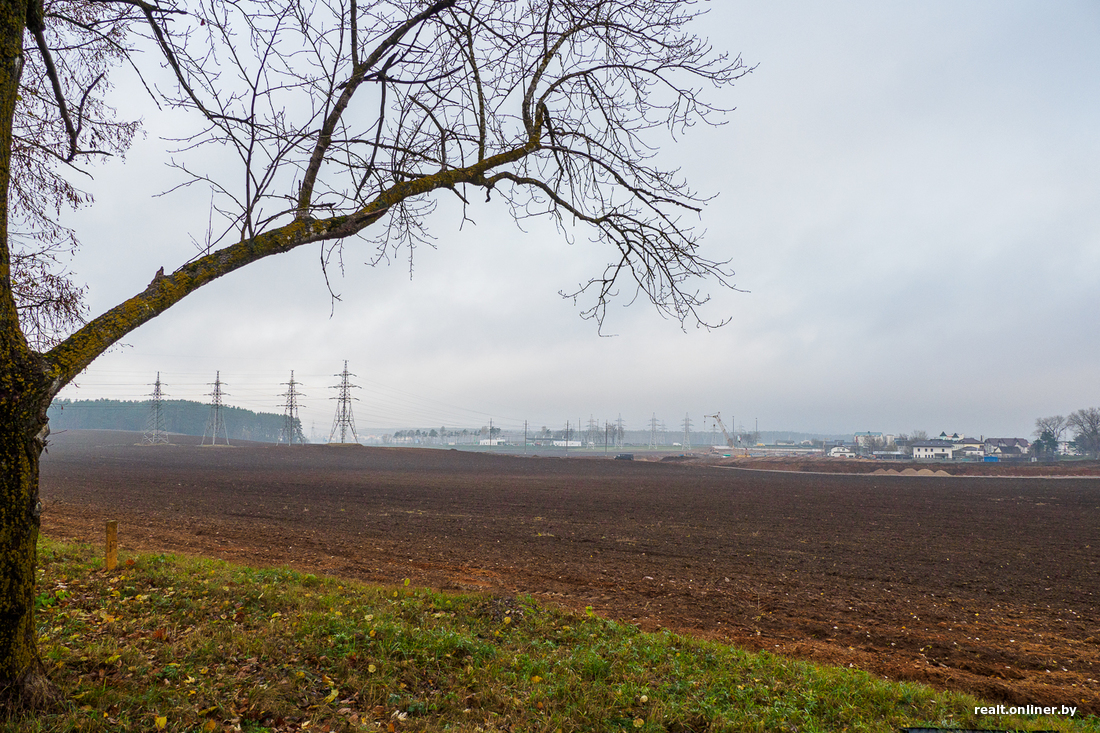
x,y
23,402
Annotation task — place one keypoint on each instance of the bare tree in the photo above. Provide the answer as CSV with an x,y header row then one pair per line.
x,y
346,120
1048,433
1085,424
1056,425
61,126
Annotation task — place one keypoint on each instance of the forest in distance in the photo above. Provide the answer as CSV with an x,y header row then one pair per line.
x,y
183,417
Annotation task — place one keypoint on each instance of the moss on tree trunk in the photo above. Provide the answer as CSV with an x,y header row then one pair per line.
x,y
23,681
24,397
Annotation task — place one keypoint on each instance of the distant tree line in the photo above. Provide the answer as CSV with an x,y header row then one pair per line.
x,y
183,417
1084,424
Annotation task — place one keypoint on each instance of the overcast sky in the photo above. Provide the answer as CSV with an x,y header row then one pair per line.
x,y
909,192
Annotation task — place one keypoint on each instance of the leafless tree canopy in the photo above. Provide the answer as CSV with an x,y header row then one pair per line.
x,y
555,107
348,119
1055,425
61,126
1085,424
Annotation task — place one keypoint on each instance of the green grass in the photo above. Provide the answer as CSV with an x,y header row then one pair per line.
x,y
184,644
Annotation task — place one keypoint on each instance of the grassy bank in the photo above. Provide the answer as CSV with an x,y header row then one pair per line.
x,y
180,644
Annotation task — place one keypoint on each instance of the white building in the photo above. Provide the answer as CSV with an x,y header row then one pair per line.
x,y
943,450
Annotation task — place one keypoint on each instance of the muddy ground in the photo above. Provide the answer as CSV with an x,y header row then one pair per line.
x,y
986,585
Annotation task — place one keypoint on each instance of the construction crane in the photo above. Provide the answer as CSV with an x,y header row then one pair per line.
x,y
718,417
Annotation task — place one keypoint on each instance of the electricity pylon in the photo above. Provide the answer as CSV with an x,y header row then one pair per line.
x,y
155,434
653,431
687,431
344,422
592,435
292,426
216,424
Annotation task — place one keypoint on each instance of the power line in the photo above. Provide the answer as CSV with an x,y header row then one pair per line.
x,y
292,426
155,434
344,422
216,423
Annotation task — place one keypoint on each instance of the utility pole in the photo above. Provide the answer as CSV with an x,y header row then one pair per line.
x,y
687,431
217,422
566,437
155,434
344,422
606,431
292,426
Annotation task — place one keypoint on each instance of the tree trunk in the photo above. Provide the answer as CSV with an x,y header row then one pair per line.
x,y
23,681
24,397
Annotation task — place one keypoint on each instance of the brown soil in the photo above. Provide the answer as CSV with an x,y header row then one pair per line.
x,y
819,464
985,585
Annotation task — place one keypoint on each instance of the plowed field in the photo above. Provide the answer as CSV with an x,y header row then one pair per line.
x,y
989,585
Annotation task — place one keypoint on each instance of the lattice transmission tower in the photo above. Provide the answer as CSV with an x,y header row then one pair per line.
x,y
653,431
155,434
292,426
216,423
344,422
687,431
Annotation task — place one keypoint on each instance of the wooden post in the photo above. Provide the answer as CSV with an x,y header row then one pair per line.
x,y
112,544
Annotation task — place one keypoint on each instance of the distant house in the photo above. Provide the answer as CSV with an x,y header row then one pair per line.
x,y
868,440
1006,446
933,450
841,451
970,448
